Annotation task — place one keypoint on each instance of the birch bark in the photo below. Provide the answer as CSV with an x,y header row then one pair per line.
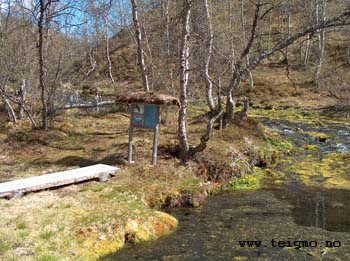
x,y
208,81
184,74
321,37
140,52
167,40
105,21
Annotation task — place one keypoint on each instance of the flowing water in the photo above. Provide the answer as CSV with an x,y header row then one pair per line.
x,y
304,216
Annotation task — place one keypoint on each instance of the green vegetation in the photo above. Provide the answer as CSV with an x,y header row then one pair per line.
x,y
328,172
250,182
284,145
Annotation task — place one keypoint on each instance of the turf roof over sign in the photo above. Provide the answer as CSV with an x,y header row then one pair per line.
x,y
147,98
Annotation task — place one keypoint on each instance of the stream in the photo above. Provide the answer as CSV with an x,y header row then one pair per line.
x,y
304,216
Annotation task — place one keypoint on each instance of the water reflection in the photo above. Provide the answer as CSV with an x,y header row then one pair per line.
x,y
322,208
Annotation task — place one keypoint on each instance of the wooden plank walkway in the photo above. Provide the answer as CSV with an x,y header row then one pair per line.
x,y
21,186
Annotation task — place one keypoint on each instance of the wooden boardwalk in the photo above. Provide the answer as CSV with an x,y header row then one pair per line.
x,y
21,186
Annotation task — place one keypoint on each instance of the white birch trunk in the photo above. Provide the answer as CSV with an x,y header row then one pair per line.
x,y
230,102
10,112
289,24
307,50
93,62
308,40
150,60
167,39
140,52
184,74
321,37
208,81
105,19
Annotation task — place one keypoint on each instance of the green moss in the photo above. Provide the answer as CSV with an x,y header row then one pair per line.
x,y
311,147
249,182
328,172
280,144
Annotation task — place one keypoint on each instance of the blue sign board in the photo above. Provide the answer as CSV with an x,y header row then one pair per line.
x,y
151,116
145,116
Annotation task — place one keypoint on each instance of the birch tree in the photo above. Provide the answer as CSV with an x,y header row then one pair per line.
x,y
54,51
184,74
244,38
10,112
166,19
186,151
321,9
140,51
106,7
43,5
210,39
309,36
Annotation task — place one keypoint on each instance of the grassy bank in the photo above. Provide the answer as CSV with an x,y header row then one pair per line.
x,y
88,220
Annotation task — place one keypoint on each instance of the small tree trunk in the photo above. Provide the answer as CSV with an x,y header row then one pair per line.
x,y
21,95
93,62
220,101
307,50
42,64
10,112
140,52
229,111
105,19
308,39
184,66
34,125
151,69
289,24
208,81
250,75
230,103
321,36
244,113
167,39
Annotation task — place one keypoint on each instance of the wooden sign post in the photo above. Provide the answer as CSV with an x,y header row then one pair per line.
x,y
145,110
144,116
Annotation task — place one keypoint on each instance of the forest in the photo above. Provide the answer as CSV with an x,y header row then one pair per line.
x,y
263,95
